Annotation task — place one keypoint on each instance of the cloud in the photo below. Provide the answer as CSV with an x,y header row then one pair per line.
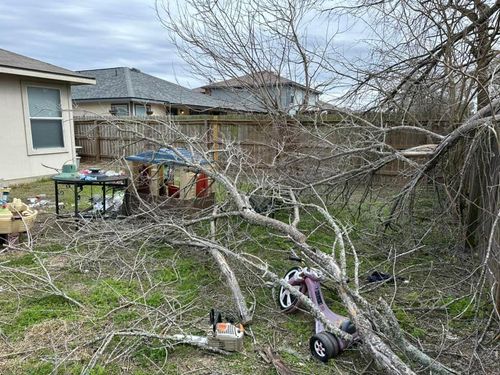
x,y
92,34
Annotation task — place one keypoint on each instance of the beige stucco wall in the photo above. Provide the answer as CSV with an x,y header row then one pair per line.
x,y
103,108
96,109
16,162
158,109
91,109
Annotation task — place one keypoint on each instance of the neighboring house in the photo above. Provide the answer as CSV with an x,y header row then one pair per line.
x,y
36,119
129,92
264,90
325,108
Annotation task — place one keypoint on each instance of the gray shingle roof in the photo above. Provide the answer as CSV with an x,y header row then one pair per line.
x,y
263,78
13,60
132,84
258,79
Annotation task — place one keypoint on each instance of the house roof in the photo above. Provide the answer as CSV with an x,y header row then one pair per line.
x,y
13,63
264,78
132,84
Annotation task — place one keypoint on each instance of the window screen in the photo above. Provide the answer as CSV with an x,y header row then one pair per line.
x,y
47,133
45,117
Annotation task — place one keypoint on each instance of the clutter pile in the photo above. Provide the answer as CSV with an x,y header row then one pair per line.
x,y
16,216
39,201
105,192
69,172
113,203
95,174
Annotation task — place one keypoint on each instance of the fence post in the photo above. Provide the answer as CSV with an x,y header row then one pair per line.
x,y
215,138
98,140
206,125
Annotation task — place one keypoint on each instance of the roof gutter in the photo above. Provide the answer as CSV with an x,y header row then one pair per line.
x,y
74,80
152,101
243,87
120,99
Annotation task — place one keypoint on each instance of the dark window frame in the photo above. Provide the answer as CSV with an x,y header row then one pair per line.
x,y
114,110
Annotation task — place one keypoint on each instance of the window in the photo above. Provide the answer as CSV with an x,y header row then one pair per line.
x,y
143,110
172,111
119,110
45,117
140,110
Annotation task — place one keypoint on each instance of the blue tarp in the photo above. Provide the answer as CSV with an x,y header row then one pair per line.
x,y
167,156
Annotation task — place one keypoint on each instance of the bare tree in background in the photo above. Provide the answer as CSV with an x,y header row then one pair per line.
x,y
444,45
447,47
224,40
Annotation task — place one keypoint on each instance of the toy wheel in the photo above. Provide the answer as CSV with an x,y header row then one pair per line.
x,y
323,346
288,302
337,348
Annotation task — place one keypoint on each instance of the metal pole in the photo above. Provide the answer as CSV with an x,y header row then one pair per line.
x,y
103,198
76,198
56,188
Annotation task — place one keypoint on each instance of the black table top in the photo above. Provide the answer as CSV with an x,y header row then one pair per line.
x,y
100,180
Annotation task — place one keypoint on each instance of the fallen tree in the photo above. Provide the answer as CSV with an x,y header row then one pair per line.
x,y
381,338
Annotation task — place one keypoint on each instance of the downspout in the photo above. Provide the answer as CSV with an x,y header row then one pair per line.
x,y
71,124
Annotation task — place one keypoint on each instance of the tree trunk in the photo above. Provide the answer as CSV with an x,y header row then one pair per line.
x,y
232,282
483,181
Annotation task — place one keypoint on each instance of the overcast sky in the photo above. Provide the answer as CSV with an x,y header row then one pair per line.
x,y
91,34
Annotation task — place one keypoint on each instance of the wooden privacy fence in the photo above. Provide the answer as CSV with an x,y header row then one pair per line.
x,y
257,137
113,138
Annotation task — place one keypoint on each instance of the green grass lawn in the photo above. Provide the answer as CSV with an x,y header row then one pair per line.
x,y
165,289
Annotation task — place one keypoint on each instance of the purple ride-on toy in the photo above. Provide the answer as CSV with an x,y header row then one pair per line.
x,y
324,345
